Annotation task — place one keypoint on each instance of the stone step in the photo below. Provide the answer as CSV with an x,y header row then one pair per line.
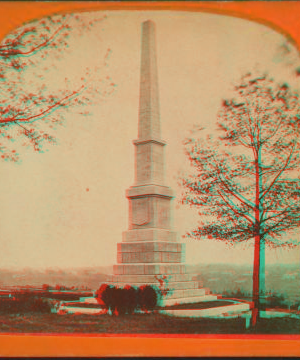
x,y
150,257
150,234
169,285
145,279
186,293
188,300
149,269
150,246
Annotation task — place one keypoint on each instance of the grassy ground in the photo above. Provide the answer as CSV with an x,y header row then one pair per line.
x,y
139,324
200,305
84,305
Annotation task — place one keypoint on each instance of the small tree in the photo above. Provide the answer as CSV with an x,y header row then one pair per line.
x,y
119,301
105,296
130,299
39,305
147,298
245,186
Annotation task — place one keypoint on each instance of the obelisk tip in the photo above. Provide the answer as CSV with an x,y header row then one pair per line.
x,y
149,120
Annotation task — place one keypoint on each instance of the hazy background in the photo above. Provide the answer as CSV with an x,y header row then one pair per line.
x,y
67,207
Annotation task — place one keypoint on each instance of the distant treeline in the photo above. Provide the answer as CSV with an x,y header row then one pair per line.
x,y
281,279
70,278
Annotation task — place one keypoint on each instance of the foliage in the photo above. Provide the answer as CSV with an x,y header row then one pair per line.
x,y
130,299
275,300
105,297
46,287
24,302
163,285
147,298
296,306
235,294
64,296
27,101
258,145
121,301
269,299
245,184
40,305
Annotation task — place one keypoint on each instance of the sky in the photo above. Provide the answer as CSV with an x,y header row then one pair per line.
x,y
67,207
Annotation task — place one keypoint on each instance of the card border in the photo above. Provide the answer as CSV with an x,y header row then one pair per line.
x,y
282,17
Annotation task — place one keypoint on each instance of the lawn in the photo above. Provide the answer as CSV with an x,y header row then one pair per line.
x,y
196,306
139,324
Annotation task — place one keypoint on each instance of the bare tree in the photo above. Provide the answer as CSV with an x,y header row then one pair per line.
x,y
245,185
29,108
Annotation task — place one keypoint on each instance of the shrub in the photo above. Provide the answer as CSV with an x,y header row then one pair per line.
x,y
121,301
106,297
24,302
46,287
147,298
235,293
99,294
118,302
130,299
296,306
39,305
275,300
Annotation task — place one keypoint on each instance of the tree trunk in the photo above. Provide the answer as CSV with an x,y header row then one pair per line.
x,y
262,273
256,280
257,248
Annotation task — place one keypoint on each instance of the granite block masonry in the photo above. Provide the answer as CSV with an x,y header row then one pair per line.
x,y
150,253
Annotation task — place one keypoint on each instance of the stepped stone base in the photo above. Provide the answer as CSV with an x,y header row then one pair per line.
x,y
161,246
149,257
152,256
147,279
187,293
150,252
152,268
149,269
181,288
182,285
189,300
149,234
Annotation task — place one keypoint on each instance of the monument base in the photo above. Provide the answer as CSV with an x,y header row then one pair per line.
x,y
188,300
174,288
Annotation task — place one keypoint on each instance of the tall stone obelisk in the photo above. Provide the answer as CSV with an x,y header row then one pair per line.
x,y
150,251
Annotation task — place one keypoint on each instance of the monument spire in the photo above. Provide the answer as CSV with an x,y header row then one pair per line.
x,y
149,165
149,117
150,251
